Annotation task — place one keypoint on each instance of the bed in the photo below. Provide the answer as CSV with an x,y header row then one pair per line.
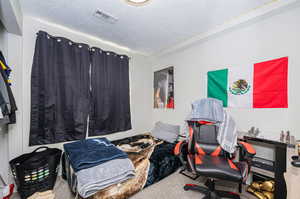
x,y
153,160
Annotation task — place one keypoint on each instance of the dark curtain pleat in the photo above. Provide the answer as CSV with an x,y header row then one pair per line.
x,y
59,90
110,111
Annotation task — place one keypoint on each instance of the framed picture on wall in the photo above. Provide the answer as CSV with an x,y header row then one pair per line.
x,y
164,88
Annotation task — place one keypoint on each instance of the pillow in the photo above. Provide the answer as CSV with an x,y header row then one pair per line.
x,y
166,132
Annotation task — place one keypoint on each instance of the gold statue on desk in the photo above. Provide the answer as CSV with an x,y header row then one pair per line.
x,y
262,190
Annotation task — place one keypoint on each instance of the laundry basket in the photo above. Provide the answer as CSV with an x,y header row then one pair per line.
x,y
36,171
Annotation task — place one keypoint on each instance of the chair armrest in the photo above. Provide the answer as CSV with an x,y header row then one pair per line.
x,y
248,147
181,151
247,152
178,147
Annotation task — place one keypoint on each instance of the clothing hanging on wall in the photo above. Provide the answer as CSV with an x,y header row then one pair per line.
x,y
59,90
7,101
110,100
70,82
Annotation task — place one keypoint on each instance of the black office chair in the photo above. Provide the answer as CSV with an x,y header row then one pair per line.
x,y
203,156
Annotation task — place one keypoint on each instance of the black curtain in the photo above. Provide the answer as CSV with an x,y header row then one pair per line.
x,y
110,110
60,90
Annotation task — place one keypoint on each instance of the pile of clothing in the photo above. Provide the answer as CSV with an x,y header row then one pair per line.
x,y
7,101
210,111
98,164
262,190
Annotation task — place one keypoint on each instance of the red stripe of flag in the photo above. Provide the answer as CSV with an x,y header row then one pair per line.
x,y
270,89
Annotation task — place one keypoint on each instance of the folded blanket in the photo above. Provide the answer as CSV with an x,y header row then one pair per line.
x,y
207,109
88,153
91,180
140,160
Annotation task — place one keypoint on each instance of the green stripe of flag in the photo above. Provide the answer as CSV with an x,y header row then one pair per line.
x,y
217,85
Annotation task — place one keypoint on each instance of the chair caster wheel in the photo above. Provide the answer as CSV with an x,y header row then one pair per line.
x,y
295,157
186,188
190,187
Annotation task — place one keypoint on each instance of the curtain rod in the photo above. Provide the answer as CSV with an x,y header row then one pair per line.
x,y
79,44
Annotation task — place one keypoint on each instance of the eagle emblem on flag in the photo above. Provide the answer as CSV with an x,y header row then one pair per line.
x,y
239,87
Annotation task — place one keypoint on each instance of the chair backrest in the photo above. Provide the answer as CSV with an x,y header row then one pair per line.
x,y
203,139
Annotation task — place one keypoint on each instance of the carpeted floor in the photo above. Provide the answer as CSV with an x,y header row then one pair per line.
x,y
172,188
169,188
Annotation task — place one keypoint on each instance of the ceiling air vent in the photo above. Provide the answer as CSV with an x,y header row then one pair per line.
x,y
105,17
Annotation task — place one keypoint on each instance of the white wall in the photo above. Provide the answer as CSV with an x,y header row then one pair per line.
x,y
272,37
11,16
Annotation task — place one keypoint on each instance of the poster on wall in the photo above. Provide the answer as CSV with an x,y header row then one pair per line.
x,y
164,88
260,85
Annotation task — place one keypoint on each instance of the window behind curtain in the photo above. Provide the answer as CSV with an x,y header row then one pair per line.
x,y
110,111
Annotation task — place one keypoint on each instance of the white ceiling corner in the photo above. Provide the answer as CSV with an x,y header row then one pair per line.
x,y
161,25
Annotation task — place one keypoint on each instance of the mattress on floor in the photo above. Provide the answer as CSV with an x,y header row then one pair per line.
x,y
153,160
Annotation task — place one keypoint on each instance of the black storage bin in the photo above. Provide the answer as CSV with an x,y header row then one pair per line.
x,y
36,171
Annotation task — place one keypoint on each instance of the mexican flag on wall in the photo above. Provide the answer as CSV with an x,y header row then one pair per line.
x,y
263,85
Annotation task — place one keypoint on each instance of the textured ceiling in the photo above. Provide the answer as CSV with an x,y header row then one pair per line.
x,y
148,29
